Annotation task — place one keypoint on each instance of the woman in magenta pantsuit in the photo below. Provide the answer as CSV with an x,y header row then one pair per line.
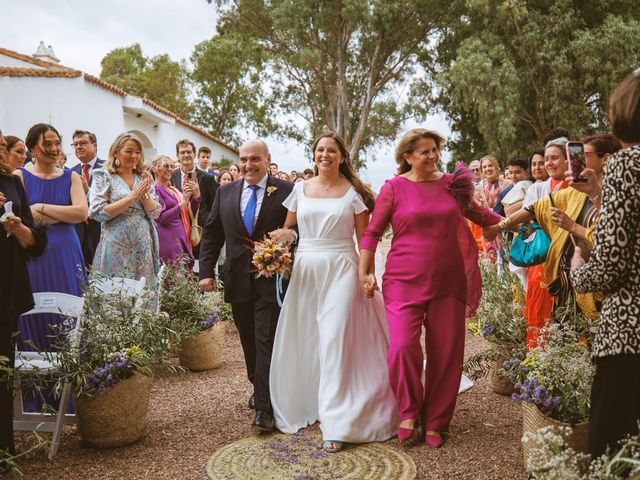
x,y
431,278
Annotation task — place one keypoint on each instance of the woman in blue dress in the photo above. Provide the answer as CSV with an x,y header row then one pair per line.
x,y
58,201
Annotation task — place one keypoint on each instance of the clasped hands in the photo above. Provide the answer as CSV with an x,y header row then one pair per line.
x,y
141,189
369,284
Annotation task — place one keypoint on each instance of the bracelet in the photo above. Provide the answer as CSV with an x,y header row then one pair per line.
x,y
594,199
504,224
295,235
146,196
42,209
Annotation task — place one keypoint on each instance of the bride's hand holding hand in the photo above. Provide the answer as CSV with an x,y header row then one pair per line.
x,y
369,284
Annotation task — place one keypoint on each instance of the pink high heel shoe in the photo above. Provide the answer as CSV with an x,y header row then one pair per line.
x,y
408,435
434,440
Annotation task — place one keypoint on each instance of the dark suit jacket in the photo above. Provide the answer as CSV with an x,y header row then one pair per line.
x,y
89,232
208,187
225,225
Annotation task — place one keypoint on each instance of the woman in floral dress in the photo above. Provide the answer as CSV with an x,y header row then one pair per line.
x,y
123,201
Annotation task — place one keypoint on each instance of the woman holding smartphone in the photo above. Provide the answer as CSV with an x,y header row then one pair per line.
x,y
613,270
123,200
571,220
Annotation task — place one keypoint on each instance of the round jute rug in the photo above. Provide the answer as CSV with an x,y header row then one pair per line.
x,y
300,457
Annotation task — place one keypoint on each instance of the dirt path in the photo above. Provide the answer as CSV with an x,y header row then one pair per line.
x,y
191,415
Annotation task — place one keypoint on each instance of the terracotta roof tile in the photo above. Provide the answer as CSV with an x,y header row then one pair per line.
x,y
56,70
33,60
37,72
105,85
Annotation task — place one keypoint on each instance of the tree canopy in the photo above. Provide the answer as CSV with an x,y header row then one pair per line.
x,y
503,72
341,65
158,78
509,71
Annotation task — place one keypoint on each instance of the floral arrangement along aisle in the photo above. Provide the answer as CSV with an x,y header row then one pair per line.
x,y
501,322
552,458
107,361
195,318
553,382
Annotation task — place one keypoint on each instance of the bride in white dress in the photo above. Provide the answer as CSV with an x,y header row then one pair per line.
x,y
330,352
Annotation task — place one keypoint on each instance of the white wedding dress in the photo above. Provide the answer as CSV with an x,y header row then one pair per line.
x,y
330,352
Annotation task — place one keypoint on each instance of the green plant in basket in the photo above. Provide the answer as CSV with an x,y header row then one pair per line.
x,y
117,337
189,310
499,320
557,377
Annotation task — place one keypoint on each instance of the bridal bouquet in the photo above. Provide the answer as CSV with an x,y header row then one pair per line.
x,y
271,258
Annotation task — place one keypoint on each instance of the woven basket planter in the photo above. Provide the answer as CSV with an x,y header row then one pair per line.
x,y
499,383
533,420
118,417
204,350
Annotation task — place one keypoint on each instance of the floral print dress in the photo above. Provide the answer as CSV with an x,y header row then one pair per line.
x,y
128,242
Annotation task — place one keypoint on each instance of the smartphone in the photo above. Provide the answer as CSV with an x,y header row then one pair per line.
x,y
575,155
193,176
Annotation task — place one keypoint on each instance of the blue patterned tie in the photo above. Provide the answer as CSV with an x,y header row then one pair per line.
x,y
250,210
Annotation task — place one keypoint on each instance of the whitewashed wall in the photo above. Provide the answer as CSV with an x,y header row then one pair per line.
x,y
74,103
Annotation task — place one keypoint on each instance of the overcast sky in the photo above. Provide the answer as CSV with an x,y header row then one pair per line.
x,y
81,32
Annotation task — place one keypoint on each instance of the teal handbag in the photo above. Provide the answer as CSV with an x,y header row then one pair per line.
x,y
530,247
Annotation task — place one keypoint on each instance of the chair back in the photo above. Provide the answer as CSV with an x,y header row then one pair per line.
x,y
56,302
128,287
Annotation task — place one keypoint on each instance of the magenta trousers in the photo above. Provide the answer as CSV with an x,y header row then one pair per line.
x,y
444,320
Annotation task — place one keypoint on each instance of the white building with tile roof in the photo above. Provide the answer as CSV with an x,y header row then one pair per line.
x,y
34,90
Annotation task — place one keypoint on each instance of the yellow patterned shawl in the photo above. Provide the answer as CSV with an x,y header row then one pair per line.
x,y
571,202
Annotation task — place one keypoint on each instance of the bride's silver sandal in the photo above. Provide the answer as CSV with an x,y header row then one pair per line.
x,y
332,446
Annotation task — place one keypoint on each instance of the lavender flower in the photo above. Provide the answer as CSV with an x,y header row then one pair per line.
x,y
532,391
104,378
487,329
211,321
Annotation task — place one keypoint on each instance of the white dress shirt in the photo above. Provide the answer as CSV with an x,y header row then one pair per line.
x,y
246,195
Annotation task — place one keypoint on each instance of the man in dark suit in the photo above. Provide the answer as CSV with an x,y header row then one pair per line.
x,y
207,185
85,147
243,211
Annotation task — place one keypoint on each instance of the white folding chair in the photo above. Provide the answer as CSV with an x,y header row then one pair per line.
x,y
62,304
128,287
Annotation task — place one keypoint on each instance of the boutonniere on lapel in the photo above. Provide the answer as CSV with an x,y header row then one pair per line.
x,y
271,189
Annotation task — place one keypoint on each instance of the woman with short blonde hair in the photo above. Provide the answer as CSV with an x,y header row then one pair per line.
x,y
112,164
123,201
